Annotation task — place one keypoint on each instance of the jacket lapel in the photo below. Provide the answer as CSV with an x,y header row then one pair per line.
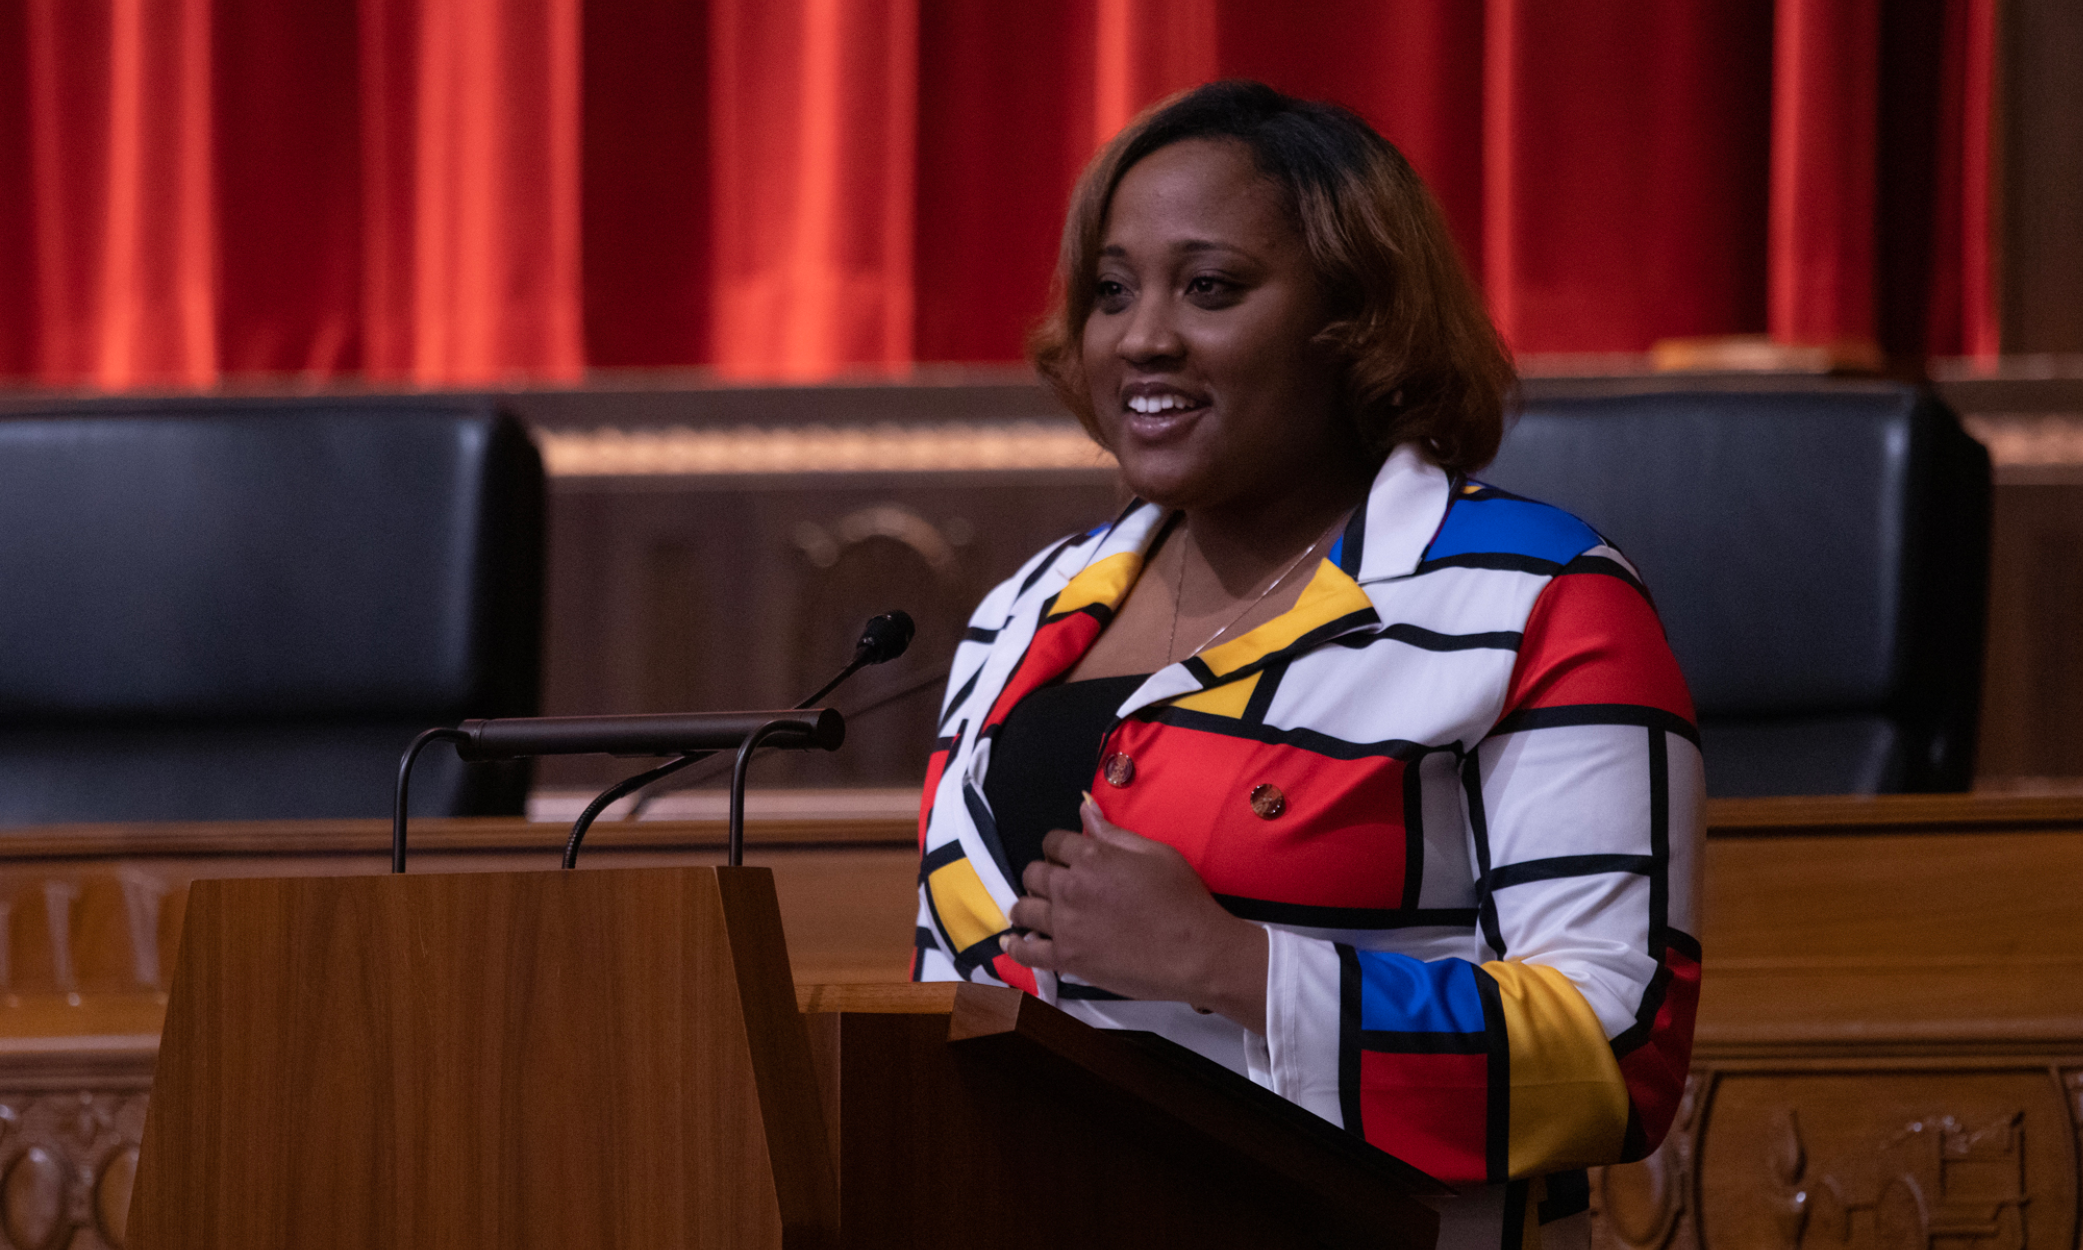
x,y
1331,604
1072,618
1403,511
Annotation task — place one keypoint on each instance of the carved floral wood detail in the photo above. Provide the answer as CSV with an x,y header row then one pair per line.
x,y
1889,1160
1648,1205
1935,1182
1857,1157
88,930
67,1162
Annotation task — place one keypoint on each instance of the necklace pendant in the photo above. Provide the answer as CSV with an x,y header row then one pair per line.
x,y
1179,594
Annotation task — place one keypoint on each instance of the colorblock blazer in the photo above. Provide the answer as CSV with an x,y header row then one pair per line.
x,y
1460,786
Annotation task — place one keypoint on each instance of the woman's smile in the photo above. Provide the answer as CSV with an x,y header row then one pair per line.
x,y
1151,400
1155,413
1199,350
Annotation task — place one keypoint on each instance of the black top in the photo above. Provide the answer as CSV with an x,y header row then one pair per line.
x,y
1045,754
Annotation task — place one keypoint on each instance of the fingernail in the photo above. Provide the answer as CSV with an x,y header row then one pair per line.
x,y
1005,941
1089,798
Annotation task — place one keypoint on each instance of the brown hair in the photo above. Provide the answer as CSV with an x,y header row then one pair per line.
x,y
1421,361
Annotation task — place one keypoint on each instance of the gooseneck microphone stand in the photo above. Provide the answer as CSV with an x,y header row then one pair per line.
x,y
883,638
689,737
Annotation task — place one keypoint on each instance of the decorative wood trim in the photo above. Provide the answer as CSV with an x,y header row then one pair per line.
x,y
990,446
1726,818
276,839
105,1063
69,1159
1650,1205
1818,1155
1795,815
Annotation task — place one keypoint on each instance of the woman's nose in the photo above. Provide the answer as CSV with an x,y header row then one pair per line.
x,y
1152,333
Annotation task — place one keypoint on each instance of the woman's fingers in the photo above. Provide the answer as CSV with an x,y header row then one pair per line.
x,y
1034,950
1099,829
1031,913
1129,914
1066,849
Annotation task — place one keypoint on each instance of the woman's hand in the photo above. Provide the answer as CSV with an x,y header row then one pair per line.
x,y
1130,915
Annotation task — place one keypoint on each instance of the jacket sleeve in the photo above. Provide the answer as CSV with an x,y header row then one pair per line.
x,y
1564,1043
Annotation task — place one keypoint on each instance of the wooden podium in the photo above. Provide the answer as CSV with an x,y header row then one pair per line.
x,y
617,1058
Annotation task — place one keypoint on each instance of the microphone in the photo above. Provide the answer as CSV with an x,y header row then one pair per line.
x,y
673,734
691,737
883,639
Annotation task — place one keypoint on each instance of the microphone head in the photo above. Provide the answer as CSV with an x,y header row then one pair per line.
x,y
884,638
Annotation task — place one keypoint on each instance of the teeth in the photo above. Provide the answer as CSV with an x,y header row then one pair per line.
x,y
1156,403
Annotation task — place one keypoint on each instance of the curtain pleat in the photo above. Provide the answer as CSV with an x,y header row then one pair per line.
x,y
469,192
991,182
289,189
1144,50
1414,69
814,143
1825,144
1625,170
120,191
20,334
1967,194
474,238
1979,331
647,184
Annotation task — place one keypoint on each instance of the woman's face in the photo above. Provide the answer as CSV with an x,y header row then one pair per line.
x,y
1198,352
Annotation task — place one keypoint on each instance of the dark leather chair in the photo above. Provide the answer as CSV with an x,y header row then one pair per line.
x,y
1820,559
215,610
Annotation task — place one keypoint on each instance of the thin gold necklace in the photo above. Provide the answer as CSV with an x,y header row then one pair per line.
x,y
1179,593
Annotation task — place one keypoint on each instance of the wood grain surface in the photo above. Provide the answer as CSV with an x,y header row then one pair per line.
x,y
1936,936
529,1059
972,1117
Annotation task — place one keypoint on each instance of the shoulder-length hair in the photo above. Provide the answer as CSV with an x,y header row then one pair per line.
x,y
1420,359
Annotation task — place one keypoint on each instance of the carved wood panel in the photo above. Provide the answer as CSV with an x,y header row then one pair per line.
x,y
679,594
1650,1205
67,1163
1858,1159
72,929
1850,1156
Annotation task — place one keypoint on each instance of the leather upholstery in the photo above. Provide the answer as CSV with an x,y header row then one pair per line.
x,y
246,610
1820,560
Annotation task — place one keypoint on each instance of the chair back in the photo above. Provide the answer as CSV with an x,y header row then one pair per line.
x,y
1819,557
232,610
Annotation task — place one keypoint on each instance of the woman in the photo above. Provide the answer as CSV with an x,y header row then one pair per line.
x,y
1395,792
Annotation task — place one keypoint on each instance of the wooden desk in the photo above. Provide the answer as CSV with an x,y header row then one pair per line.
x,y
1891,1032
1890,1044
90,921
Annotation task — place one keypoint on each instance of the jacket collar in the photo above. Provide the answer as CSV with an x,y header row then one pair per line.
x,y
1405,507
1385,541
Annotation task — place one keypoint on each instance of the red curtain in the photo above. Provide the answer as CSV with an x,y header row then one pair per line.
x,y
469,192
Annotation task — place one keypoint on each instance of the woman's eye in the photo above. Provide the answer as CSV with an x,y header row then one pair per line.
x,y
1111,296
1207,288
